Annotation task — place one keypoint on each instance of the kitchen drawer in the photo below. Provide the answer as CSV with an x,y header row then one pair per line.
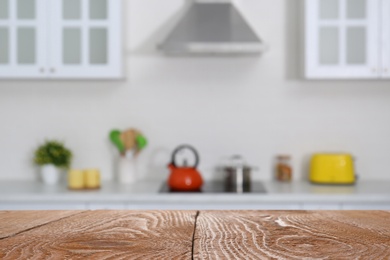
x,y
170,206
271,206
216,206
366,206
114,205
321,206
43,206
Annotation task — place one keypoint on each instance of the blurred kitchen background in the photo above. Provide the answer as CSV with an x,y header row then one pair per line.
x,y
257,106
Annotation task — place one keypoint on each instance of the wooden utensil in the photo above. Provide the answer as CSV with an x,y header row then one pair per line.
x,y
128,138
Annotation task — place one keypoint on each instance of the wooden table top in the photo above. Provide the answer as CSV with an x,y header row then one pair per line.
x,y
125,234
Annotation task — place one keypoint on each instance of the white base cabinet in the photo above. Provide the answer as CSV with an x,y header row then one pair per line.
x,y
194,206
371,206
321,206
115,205
42,206
144,195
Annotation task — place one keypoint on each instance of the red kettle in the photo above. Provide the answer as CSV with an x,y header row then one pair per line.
x,y
184,178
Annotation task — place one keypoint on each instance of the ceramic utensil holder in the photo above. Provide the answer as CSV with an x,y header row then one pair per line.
x,y
127,169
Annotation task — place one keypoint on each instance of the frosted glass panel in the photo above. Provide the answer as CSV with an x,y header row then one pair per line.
x,y
71,48
71,9
26,45
356,45
329,45
4,9
98,46
98,9
26,9
329,9
4,45
356,9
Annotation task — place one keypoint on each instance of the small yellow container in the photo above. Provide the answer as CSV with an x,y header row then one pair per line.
x,y
92,179
76,179
332,169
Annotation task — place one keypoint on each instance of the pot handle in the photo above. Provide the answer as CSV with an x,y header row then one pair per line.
x,y
185,146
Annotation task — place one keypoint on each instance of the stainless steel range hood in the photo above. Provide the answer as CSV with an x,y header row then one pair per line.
x,y
212,27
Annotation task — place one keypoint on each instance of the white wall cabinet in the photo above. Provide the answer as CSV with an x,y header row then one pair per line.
x,y
23,37
347,39
386,38
75,39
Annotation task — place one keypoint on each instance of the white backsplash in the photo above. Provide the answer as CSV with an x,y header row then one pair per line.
x,y
257,107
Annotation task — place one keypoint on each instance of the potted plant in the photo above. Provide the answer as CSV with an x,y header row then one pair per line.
x,y
52,157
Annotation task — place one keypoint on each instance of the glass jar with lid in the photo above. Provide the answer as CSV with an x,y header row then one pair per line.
x,y
283,168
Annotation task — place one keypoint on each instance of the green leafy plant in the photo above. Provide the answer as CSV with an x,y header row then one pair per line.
x,y
53,152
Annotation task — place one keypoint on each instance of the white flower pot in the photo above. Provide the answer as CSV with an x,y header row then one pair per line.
x,y
50,174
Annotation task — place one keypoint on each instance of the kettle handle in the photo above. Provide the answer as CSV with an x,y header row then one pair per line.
x,y
185,146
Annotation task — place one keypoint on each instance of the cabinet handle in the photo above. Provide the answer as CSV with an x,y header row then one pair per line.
x,y
52,70
42,70
385,70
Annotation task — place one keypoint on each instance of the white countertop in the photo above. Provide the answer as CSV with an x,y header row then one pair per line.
x,y
147,192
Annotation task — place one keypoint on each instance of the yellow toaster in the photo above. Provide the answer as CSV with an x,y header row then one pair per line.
x,y
332,169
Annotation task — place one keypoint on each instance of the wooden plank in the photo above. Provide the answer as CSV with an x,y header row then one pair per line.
x,y
292,235
14,222
107,234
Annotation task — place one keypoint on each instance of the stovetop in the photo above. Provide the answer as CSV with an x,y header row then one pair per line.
x,y
219,187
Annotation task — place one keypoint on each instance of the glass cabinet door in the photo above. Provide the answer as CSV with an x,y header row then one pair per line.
x,y
22,38
386,39
85,39
342,38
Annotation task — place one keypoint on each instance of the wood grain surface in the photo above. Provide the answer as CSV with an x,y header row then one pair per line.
x,y
14,222
292,235
106,235
198,235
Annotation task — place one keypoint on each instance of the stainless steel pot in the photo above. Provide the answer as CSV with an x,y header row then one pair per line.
x,y
238,175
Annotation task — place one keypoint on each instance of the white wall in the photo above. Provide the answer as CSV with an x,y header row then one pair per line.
x,y
258,107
